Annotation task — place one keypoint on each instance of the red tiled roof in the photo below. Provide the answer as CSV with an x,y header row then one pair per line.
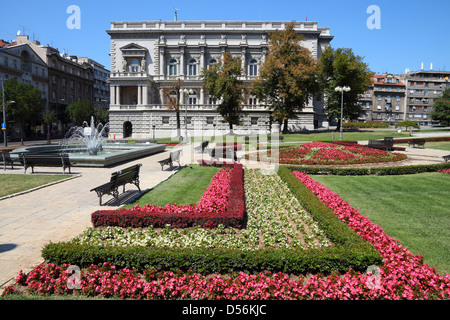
x,y
383,76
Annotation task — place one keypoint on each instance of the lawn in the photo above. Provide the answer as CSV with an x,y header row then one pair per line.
x,y
414,209
441,145
185,187
14,183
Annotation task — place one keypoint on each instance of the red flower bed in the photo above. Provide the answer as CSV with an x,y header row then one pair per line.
x,y
329,153
445,171
402,275
222,203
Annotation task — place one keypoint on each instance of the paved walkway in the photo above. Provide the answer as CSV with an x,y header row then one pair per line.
x,y
59,212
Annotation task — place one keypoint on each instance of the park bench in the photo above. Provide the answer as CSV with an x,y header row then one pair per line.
x,y
446,158
173,157
42,160
119,178
201,148
386,144
6,157
226,153
417,142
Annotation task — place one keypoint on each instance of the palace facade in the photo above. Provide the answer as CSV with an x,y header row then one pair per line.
x,y
148,58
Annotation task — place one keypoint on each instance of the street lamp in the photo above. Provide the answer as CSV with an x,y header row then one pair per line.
x,y
341,90
185,91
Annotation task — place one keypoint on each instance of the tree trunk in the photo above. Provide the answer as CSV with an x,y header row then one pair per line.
x,y
285,127
231,128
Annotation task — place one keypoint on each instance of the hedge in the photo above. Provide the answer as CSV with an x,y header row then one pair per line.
x,y
349,250
183,216
398,170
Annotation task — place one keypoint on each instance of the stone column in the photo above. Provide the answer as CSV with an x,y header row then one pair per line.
x,y
139,100
182,73
145,95
118,95
112,95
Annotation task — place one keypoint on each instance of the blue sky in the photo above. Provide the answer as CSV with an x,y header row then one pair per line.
x,y
411,31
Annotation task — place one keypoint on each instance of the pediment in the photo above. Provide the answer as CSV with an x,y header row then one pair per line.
x,y
133,46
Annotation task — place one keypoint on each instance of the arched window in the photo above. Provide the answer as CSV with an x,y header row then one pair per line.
x,y
253,68
173,67
135,65
193,67
212,62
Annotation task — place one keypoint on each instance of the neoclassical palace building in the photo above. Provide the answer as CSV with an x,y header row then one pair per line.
x,y
149,57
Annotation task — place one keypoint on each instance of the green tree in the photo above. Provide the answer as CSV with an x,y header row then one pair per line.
x,y
341,67
172,100
80,111
49,117
408,124
288,79
441,108
28,103
101,114
222,82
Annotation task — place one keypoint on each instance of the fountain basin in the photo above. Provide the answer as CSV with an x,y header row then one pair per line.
x,y
111,153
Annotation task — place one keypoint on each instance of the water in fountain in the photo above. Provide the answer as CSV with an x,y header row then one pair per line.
x,y
92,136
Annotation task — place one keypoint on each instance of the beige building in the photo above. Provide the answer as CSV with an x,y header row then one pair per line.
x,y
149,56
384,100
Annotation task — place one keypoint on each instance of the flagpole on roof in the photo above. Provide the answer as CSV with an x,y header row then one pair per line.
x,y
176,18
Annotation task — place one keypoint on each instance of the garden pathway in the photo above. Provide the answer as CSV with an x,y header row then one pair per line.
x,y
59,212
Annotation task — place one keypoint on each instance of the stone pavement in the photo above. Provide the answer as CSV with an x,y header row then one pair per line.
x,y
60,211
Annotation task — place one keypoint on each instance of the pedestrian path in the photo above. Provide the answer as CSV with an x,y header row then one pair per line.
x,y
59,212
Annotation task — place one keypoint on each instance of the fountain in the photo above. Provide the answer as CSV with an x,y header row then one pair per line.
x,y
92,136
88,146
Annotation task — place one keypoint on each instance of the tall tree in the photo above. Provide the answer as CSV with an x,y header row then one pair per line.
x,y
341,67
172,100
28,103
223,83
49,117
289,77
441,108
80,111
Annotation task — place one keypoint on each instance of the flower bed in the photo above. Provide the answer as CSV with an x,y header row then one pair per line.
x,y
445,171
222,203
402,275
321,153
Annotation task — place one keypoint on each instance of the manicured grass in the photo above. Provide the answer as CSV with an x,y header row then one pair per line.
x,y
14,183
414,209
185,187
441,145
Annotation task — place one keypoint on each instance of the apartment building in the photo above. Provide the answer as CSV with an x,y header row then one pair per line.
x,y
384,100
422,88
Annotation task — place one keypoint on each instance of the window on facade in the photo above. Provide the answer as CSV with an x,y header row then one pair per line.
x,y
209,120
379,97
379,107
397,98
378,115
5,61
367,105
189,120
254,121
252,101
397,107
212,62
135,65
165,120
253,68
193,67
173,67
212,101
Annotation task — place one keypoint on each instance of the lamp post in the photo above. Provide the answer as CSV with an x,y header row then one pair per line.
x,y
5,139
185,91
341,90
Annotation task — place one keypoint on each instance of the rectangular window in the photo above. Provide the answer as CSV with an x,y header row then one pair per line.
x,y
189,120
192,100
165,120
209,120
367,105
254,121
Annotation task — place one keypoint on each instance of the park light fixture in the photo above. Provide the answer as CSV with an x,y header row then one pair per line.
x,y
341,90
